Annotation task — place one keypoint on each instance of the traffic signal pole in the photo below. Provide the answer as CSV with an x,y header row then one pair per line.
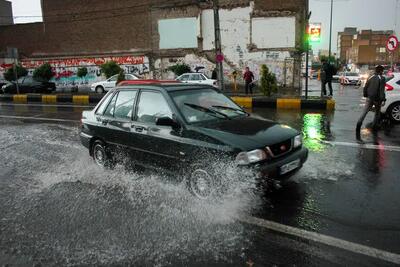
x,y
330,34
218,46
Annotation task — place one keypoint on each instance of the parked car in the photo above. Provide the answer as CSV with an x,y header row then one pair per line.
x,y
27,85
336,77
350,78
104,86
2,82
392,105
197,78
186,129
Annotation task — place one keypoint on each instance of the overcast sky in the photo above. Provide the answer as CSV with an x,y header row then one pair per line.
x,y
364,14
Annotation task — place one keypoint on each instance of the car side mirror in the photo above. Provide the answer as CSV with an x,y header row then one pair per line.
x,y
167,121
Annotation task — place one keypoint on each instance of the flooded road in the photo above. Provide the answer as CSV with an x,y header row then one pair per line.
x,y
60,209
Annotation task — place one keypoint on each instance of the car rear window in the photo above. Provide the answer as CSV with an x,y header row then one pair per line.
x,y
124,105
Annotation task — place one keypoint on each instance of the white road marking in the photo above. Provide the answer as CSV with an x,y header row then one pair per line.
x,y
36,118
323,239
48,105
366,146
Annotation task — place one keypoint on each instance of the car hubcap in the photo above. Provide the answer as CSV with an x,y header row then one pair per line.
x,y
396,113
99,155
201,184
99,90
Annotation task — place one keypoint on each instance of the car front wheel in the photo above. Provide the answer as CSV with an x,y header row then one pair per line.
x,y
101,156
99,90
201,183
394,112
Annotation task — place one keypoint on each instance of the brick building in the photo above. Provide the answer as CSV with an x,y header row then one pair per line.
x,y
6,15
147,36
365,47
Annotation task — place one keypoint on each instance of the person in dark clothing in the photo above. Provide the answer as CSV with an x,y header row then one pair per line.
x,y
214,75
248,77
327,72
374,91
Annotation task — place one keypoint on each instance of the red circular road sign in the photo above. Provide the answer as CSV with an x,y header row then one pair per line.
x,y
392,43
220,57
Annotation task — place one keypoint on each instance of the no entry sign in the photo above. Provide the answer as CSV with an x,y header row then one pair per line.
x,y
392,43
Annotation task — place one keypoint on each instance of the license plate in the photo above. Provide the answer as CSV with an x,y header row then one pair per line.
x,y
290,166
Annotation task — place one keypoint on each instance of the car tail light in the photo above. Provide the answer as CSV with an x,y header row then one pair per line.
x,y
388,87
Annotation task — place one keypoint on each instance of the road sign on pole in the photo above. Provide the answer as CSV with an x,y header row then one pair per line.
x,y
392,43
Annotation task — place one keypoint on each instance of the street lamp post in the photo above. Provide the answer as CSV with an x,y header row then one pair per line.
x,y
218,46
330,34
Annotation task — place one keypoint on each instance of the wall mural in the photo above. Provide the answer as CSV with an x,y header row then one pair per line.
x,y
65,70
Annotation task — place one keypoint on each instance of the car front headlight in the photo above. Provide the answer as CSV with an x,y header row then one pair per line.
x,y
246,158
298,141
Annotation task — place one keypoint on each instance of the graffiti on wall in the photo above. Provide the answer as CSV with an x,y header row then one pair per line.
x,y
65,70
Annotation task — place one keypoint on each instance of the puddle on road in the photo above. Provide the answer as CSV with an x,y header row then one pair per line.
x,y
60,208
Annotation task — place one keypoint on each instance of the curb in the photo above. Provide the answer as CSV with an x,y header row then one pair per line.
x,y
246,102
284,103
52,99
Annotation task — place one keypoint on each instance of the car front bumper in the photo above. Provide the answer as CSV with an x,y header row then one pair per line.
x,y
272,170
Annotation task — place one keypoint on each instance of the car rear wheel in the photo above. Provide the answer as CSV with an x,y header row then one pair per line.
x,y
99,90
201,183
394,112
101,156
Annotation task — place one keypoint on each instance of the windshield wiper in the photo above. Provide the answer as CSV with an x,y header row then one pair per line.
x,y
233,109
207,110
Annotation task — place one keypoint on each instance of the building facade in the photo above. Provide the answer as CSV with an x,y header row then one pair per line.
x,y
148,36
6,14
365,47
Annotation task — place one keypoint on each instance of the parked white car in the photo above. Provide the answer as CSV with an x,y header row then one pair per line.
x,y
392,105
196,78
105,86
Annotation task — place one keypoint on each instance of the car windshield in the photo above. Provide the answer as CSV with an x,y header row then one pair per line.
x,y
199,105
352,74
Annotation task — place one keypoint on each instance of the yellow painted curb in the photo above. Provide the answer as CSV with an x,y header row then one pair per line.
x,y
246,102
20,98
288,103
80,99
49,99
330,104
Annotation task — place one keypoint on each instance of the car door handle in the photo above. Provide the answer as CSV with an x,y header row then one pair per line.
x,y
140,129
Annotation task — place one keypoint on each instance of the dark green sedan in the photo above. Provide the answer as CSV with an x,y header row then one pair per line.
x,y
187,129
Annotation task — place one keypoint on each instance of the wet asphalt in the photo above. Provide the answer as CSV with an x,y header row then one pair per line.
x,y
57,208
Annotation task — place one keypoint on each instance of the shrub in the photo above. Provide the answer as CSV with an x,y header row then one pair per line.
x,y
180,69
43,73
121,77
82,72
110,68
9,75
268,83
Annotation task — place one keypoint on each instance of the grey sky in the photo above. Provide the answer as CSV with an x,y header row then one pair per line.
x,y
364,14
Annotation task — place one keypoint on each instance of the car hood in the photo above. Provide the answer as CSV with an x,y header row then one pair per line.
x,y
247,133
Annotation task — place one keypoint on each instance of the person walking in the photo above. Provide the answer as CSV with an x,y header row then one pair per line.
x,y
248,77
327,73
374,92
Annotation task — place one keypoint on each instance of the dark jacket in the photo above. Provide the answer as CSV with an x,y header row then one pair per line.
x,y
248,76
327,72
375,88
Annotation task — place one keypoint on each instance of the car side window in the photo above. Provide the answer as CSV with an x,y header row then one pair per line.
x,y
110,108
152,105
202,77
103,105
398,82
124,104
113,79
195,77
184,78
28,80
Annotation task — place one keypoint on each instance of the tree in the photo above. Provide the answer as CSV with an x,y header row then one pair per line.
x,y
110,68
268,83
121,77
43,73
9,75
82,72
180,69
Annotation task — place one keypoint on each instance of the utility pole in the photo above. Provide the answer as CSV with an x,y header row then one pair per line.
x,y
14,55
330,34
307,49
218,47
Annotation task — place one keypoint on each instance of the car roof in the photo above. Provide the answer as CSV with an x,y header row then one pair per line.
x,y
167,85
